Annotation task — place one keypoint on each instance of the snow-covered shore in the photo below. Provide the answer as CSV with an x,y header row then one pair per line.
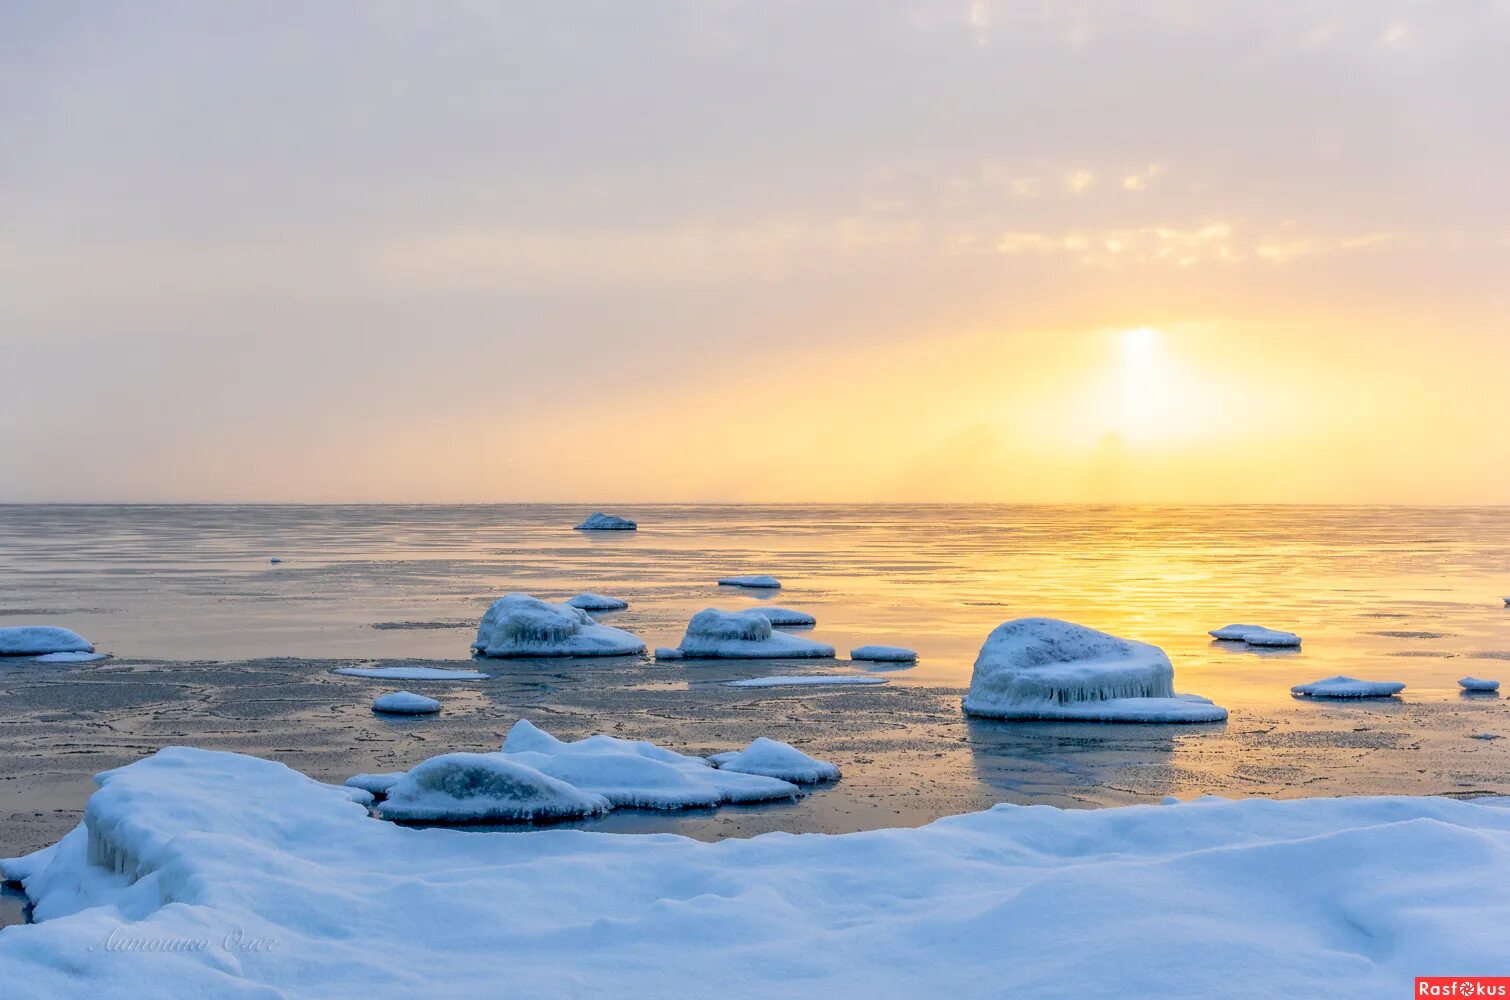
x,y
213,874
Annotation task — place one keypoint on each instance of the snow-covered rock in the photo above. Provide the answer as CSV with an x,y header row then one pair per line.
x,y
411,673
883,654
667,653
637,774
484,787
1346,898
405,703
375,784
521,625
588,601
785,617
1256,635
606,522
776,759
802,680
758,582
1348,687
743,635
1478,684
38,640
1043,668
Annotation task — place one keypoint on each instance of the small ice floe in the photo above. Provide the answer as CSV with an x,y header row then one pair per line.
x,y
39,640
521,625
71,657
775,759
405,703
1042,668
375,784
1478,684
743,635
667,653
606,522
785,617
1484,736
1256,635
802,680
1348,687
884,654
275,560
483,787
588,601
637,774
759,582
412,673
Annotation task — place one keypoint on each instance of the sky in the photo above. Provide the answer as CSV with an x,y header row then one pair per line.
x,y
755,251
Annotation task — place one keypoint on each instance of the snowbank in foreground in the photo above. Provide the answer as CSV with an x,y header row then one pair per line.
x,y
292,889
37,640
1042,668
521,625
714,634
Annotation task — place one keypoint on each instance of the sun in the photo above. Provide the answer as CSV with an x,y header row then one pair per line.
x,y
1140,340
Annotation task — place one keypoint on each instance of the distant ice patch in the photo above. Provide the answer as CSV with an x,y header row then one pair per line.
x,y
1478,684
744,635
1348,687
39,640
1256,635
1043,668
405,703
883,654
588,601
759,582
482,787
802,680
785,617
521,625
606,522
776,759
412,673
71,657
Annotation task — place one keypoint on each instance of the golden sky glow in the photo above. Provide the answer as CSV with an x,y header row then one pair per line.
x,y
1206,253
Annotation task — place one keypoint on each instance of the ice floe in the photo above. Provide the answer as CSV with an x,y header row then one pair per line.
x,y
606,522
1478,684
375,784
38,640
802,680
775,759
1043,668
484,787
412,673
667,653
71,657
405,703
883,654
715,634
1348,687
1344,898
521,625
758,582
1256,635
588,601
785,617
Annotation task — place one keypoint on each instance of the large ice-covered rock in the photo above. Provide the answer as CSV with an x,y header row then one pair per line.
x,y
785,617
485,787
521,625
743,635
1348,687
1043,668
1255,635
37,640
776,759
757,582
405,703
589,601
606,522
637,774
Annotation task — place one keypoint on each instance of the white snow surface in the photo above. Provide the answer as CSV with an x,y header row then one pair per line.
x,y
481,787
636,774
785,617
802,680
405,703
71,657
37,640
743,635
521,625
1478,684
759,581
412,673
883,654
589,601
1043,668
600,521
1344,898
776,759
667,653
1348,687
1255,635
375,784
